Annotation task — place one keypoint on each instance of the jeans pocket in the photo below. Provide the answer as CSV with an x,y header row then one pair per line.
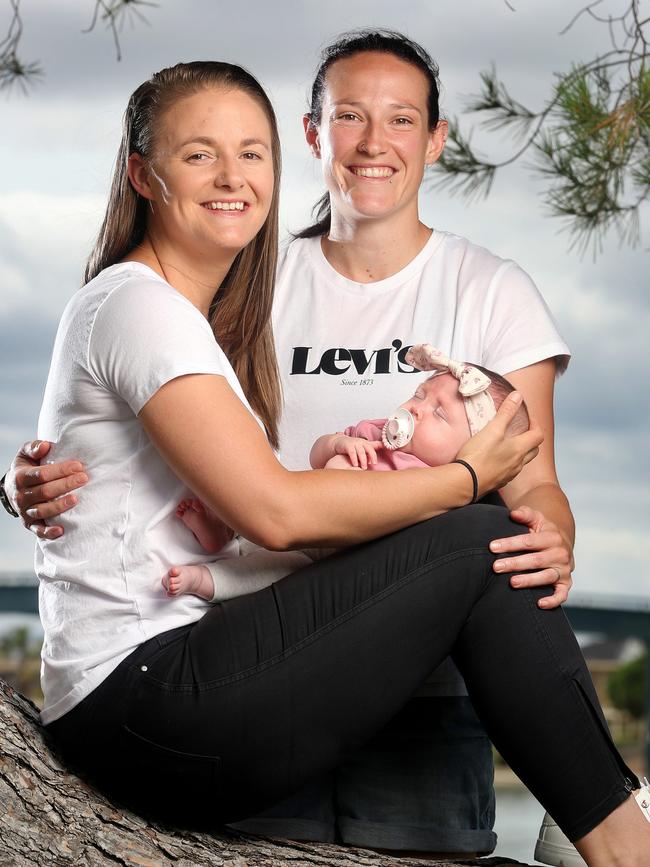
x,y
168,783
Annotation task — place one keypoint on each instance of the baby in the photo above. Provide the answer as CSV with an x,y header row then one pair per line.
x,y
430,428
426,431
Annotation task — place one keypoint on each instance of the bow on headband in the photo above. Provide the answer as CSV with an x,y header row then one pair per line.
x,y
473,384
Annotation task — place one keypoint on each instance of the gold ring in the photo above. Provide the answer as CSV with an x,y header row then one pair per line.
x,y
557,572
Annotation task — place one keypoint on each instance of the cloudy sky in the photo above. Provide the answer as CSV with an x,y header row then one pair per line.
x,y
58,144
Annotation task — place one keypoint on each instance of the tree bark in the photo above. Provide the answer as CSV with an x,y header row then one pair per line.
x,y
49,816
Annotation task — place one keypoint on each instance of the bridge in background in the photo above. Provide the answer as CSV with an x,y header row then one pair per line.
x,y
608,614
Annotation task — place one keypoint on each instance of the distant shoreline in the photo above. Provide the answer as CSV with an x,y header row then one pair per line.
x,y
15,577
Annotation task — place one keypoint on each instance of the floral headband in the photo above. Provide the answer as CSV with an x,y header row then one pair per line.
x,y
473,384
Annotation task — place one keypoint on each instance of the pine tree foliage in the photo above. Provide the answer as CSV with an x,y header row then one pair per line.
x,y
115,13
590,142
16,73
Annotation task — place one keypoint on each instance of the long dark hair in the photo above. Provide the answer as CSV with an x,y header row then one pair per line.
x,y
499,390
240,314
357,42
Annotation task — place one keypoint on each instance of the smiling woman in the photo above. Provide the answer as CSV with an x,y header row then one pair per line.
x,y
182,118
374,148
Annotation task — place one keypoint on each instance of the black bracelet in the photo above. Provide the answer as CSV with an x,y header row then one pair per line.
x,y
4,499
474,479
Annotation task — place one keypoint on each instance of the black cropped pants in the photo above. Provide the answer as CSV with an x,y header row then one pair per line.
x,y
211,722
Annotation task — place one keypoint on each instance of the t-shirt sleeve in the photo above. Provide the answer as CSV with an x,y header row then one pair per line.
x,y
145,334
519,328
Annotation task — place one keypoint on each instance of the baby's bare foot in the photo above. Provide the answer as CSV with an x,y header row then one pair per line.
x,y
196,580
211,533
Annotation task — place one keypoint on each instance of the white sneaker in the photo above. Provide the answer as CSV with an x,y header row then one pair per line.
x,y
554,847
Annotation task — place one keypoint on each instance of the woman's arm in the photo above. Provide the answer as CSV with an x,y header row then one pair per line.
x,y
43,492
244,484
537,500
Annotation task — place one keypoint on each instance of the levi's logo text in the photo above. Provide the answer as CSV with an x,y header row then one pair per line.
x,y
340,360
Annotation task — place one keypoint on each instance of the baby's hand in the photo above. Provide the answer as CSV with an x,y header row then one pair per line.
x,y
358,451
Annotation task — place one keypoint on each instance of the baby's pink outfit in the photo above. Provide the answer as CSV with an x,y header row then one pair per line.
x,y
371,429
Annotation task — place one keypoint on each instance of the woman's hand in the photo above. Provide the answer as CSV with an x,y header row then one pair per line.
x,y
497,457
40,492
546,552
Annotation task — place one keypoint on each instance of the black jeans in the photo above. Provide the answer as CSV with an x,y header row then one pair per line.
x,y
213,721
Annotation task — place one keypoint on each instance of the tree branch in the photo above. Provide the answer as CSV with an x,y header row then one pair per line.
x,y
50,816
16,73
591,139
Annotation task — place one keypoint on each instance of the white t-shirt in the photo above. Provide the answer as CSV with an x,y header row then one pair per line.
x,y
341,344
121,338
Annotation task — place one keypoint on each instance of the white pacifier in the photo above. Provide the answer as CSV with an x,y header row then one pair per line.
x,y
398,430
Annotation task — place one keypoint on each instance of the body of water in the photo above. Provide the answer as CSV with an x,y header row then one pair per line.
x,y
519,817
8,622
